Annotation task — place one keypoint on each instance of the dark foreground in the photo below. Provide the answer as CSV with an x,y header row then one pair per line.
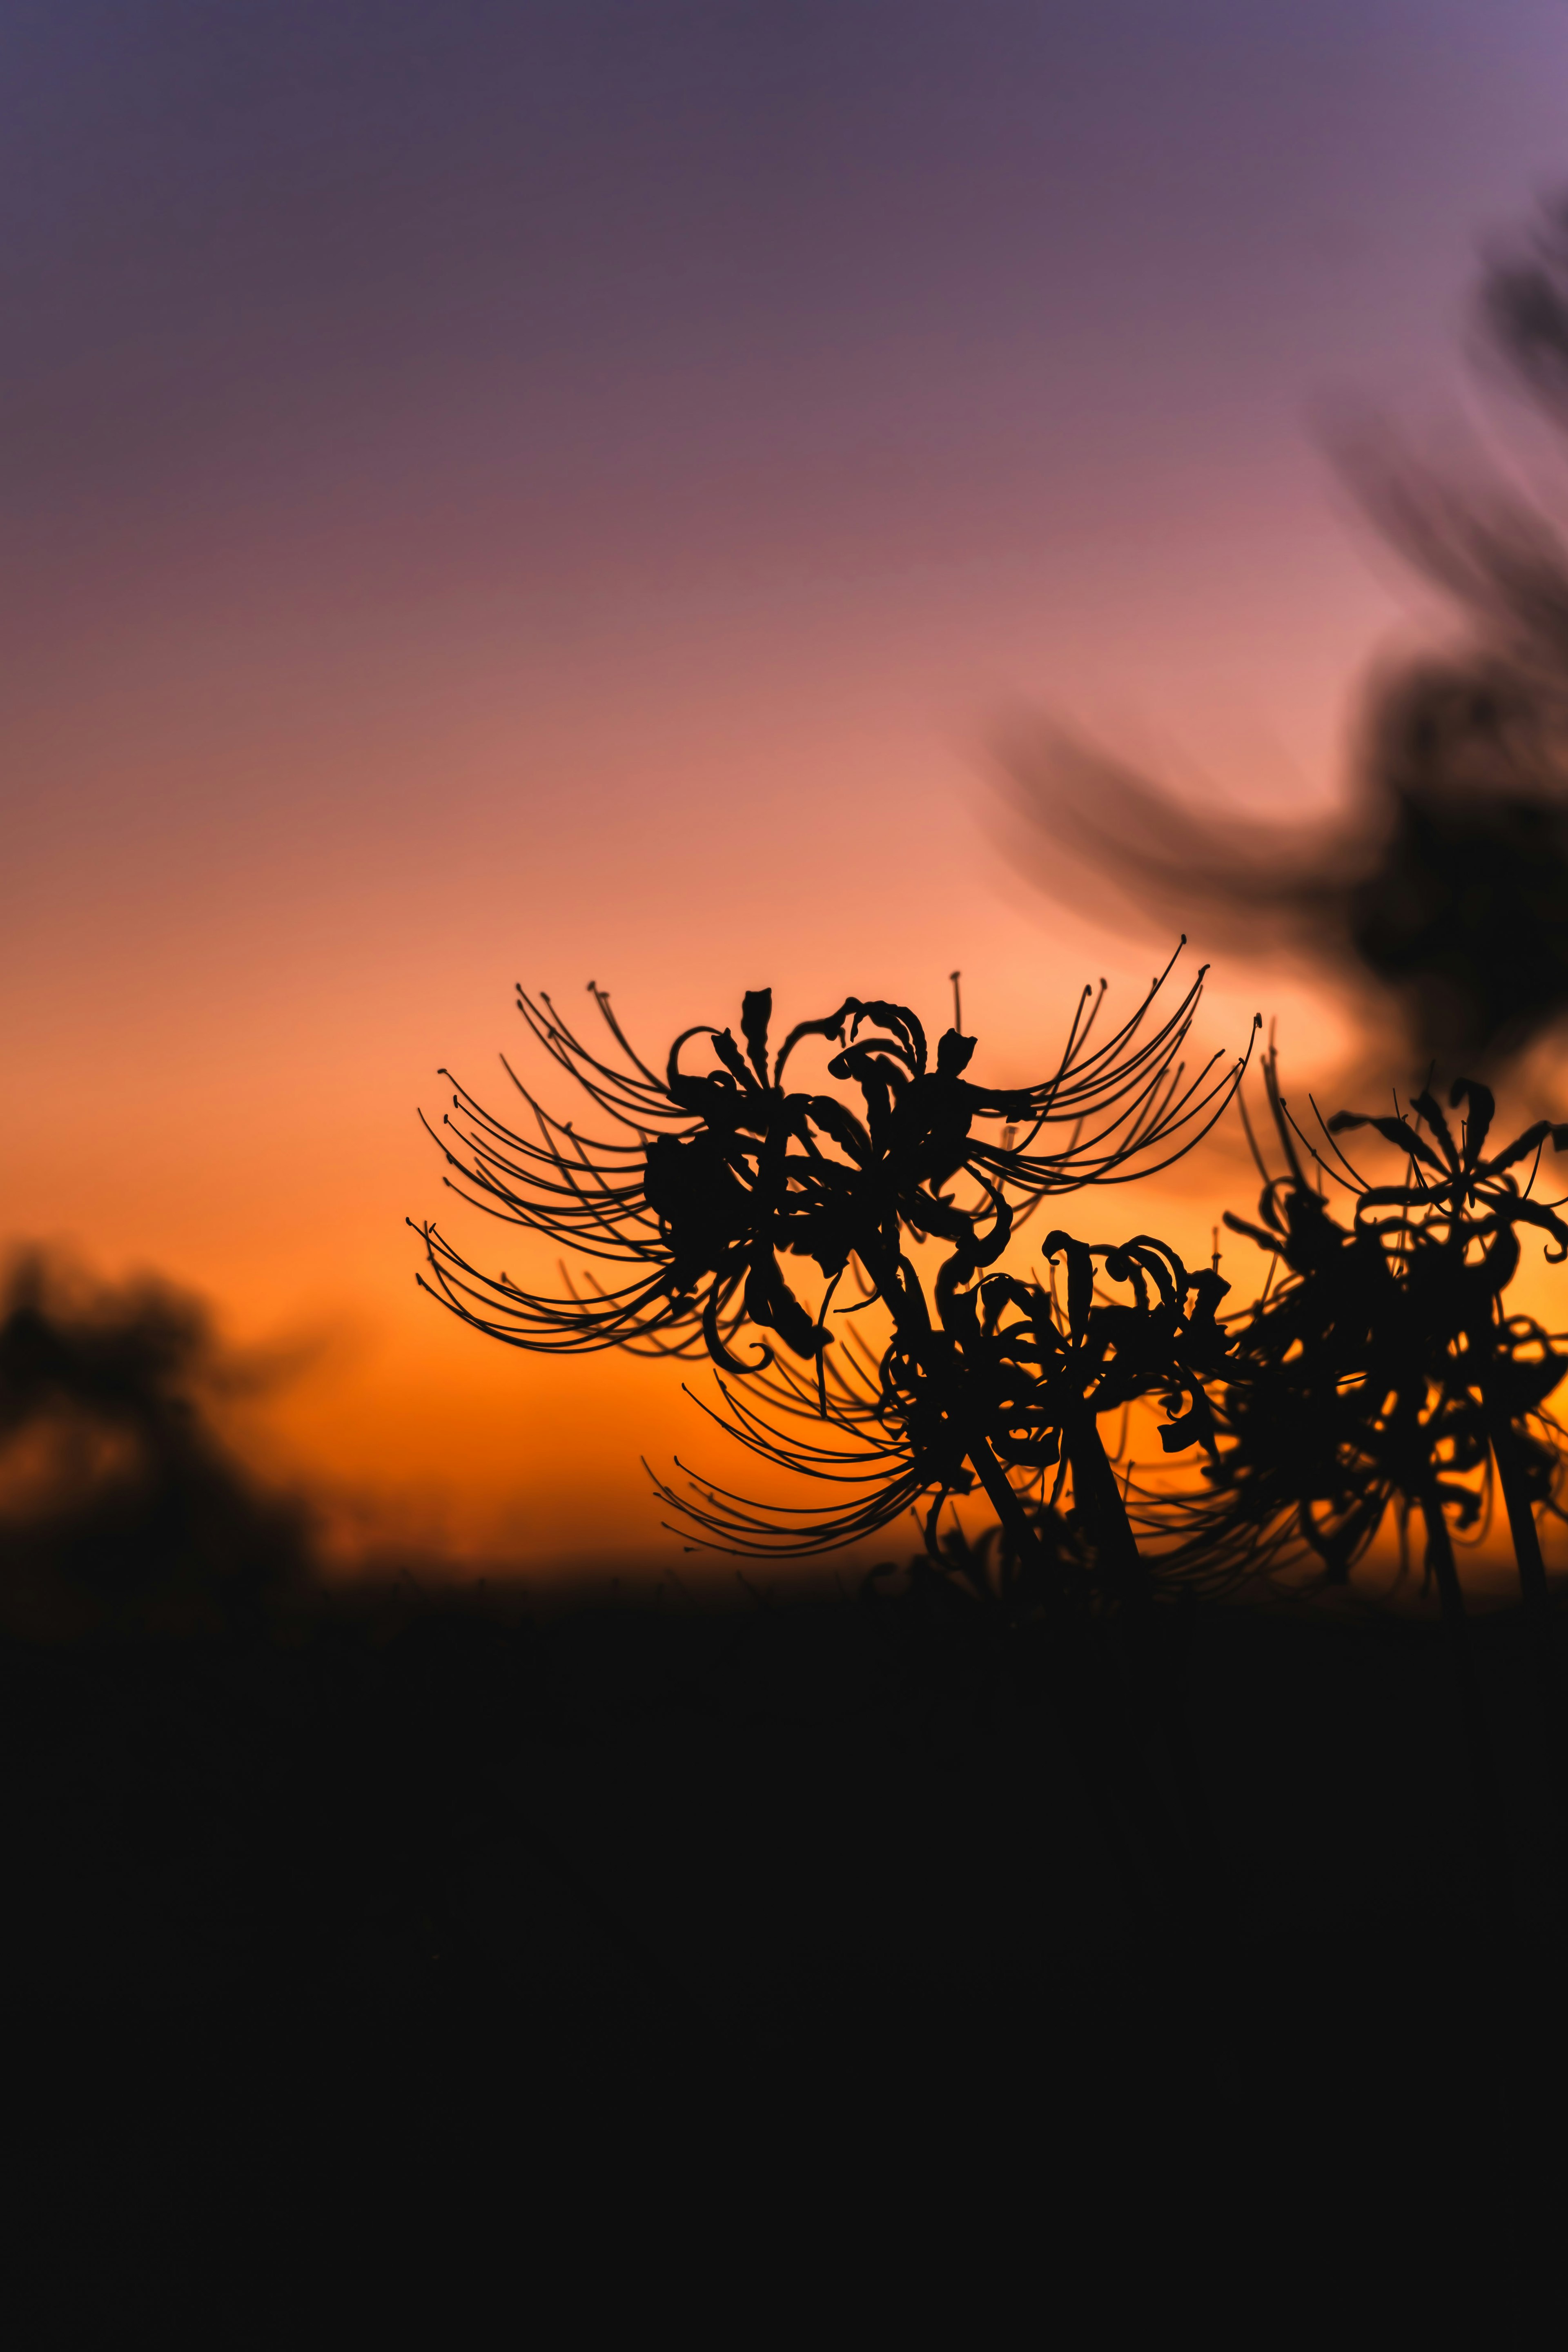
x,y
794,1910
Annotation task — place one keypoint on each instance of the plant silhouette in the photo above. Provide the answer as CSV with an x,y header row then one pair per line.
x,y
1380,1371
707,1183
1001,1385
1439,890
1457,1221
708,1180
123,1502
704,1179
1380,1362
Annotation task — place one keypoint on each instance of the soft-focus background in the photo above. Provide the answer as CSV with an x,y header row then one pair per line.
x,y
537,492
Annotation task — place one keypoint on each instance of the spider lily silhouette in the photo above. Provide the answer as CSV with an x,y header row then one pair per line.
x,y
1380,1368
1047,1377
1004,1385
703,1180
1454,1201
1457,1219
1332,1406
700,1185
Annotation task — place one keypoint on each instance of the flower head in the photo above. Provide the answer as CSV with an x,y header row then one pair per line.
x,y
695,1187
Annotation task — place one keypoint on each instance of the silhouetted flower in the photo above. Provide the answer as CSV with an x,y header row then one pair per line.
x,y
695,1185
710,1181
1002,1387
706,1179
1455,1223
1380,1368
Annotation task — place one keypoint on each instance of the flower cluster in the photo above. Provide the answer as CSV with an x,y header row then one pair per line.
x,y
1380,1368
1005,1383
700,1181
716,1183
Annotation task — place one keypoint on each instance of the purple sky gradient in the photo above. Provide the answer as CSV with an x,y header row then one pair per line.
x,y
516,491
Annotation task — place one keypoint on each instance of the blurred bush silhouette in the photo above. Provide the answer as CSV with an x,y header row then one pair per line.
x,y
1439,892
120,1500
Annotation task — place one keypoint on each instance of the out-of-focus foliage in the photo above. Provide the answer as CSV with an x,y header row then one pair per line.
x,y
1439,890
119,1495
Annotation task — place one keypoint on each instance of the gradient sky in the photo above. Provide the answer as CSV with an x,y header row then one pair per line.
x,y
552,492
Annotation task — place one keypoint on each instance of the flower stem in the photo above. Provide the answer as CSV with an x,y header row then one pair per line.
x,y
1100,1499
1492,1837
1537,1604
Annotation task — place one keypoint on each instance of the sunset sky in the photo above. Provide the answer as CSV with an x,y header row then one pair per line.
x,y
520,492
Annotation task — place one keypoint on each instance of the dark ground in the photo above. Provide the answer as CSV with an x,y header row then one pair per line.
x,y
766,1903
